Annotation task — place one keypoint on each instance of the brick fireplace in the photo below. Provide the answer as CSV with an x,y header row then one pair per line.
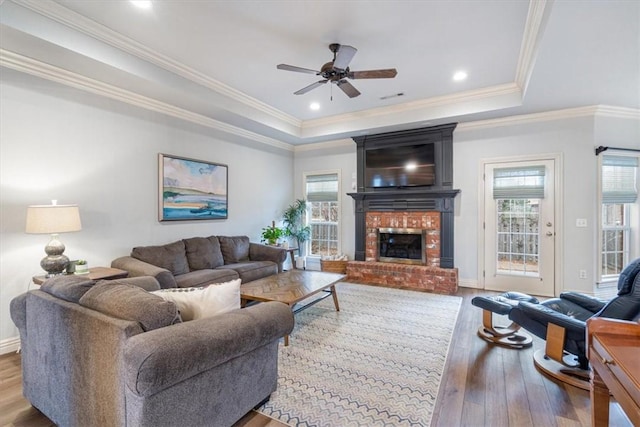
x,y
425,208
428,276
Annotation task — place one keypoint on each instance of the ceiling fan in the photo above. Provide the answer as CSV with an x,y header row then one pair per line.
x,y
337,71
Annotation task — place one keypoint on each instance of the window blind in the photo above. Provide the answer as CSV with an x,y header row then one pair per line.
x,y
322,188
526,182
619,179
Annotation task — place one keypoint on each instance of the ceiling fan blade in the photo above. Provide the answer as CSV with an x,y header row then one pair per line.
x,y
387,73
344,56
310,87
297,69
348,88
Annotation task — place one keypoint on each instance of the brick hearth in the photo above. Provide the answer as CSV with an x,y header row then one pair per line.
x,y
404,276
428,277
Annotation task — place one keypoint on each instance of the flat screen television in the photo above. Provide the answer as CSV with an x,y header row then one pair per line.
x,y
400,166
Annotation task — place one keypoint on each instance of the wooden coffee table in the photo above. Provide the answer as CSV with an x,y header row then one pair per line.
x,y
292,287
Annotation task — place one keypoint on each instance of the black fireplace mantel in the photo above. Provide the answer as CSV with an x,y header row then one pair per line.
x,y
438,198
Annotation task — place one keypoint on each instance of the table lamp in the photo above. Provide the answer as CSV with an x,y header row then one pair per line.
x,y
53,219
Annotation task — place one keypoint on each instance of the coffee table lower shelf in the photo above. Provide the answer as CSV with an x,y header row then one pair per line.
x,y
292,287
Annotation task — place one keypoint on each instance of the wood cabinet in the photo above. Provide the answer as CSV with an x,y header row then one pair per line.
x,y
613,349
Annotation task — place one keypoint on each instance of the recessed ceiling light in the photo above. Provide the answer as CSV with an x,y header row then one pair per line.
x,y
314,106
142,4
460,76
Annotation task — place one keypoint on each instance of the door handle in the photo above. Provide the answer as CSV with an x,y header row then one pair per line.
x,y
549,233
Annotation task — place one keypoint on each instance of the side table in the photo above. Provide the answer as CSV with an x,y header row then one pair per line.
x,y
293,257
95,273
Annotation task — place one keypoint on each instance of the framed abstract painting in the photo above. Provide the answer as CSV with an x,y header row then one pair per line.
x,y
191,189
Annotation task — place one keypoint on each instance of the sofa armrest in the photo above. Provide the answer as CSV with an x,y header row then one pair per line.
x,y
258,252
158,359
137,268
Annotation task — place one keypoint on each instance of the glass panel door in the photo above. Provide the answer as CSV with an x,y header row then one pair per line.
x,y
519,234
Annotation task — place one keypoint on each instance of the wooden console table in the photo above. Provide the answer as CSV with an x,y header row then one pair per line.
x,y
95,273
613,349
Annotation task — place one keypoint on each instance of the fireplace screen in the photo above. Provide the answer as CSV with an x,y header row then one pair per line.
x,y
404,245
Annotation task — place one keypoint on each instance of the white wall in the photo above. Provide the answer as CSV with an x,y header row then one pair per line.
x,y
58,143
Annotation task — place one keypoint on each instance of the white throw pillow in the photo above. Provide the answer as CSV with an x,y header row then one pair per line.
x,y
211,300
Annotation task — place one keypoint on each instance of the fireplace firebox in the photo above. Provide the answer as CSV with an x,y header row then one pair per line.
x,y
403,245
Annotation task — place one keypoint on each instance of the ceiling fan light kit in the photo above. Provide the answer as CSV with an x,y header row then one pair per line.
x,y
337,71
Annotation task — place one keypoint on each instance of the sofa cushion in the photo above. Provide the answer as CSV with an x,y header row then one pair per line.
x,y
203,253
234,248
253,270
171,256
130,302
67,287
199,278
208,301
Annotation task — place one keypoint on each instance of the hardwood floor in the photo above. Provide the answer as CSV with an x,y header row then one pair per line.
x,y
488,385
483,385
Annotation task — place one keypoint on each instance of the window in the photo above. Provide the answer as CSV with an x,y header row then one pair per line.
x,y
615,239
619,195
323,213
518,191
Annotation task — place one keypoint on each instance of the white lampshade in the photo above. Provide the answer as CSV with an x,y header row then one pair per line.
x,y
50,219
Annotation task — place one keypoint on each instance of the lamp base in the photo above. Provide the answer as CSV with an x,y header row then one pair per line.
x,y
55,263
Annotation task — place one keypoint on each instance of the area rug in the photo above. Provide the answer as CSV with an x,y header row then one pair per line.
x,y
377,362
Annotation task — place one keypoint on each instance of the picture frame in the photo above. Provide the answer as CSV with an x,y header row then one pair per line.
x,y
190,189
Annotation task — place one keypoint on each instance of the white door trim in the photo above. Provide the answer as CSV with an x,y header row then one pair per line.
x,y
558,212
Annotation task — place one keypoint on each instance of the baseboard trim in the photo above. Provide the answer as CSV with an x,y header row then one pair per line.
x,y
469,283
10,345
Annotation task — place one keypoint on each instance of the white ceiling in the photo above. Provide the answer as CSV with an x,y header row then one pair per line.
x,y
214,62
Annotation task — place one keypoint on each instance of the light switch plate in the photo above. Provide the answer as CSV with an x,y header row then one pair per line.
x,y
581,222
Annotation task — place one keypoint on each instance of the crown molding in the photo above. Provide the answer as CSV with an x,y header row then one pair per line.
x,y
537,17
77,22
338,143
423,104
569,113
564,114
617,112
49,72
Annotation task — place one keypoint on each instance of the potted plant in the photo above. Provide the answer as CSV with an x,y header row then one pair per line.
x,y
270,235
82,267
293,220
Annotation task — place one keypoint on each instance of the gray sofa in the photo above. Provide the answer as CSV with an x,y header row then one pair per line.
x,y
113,354
202,260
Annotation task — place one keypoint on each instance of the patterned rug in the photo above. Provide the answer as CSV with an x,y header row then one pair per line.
x,y
377,362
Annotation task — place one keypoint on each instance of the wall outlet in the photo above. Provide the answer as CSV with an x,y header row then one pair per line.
x,y
582,274
581,222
